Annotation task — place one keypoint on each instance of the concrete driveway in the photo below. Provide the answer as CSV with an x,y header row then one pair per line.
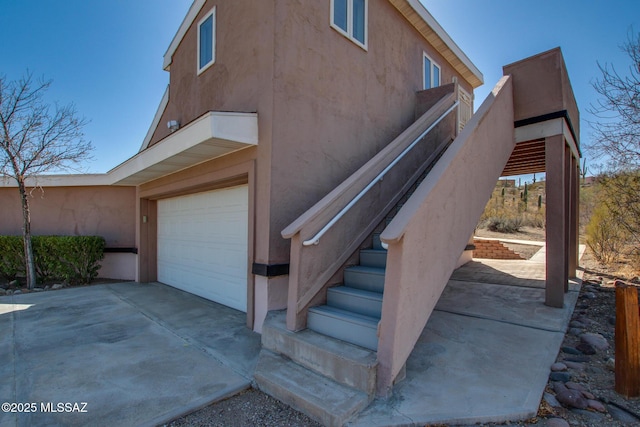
x,y
118,355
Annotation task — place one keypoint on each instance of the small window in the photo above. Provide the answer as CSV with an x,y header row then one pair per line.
x,y
431,73
349,18
207,41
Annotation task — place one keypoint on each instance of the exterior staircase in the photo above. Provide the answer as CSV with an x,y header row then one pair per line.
x,y
353,310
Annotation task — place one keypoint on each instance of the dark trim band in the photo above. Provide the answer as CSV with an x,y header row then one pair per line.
x,y
470,248
270,270
121,250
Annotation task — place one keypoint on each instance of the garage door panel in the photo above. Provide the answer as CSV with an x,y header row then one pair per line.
x,y
202,244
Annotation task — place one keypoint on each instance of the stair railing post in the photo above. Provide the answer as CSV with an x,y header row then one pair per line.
x,y
627,340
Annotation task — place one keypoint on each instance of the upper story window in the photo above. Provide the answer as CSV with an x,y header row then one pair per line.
x,y
349,17
430,72
207,41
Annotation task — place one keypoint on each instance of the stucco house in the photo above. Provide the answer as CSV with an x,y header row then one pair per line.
x,y
302,145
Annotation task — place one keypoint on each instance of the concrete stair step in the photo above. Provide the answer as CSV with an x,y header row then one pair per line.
x,y
377,243
373,258
355,300
365,278
326,401
342,362
344,325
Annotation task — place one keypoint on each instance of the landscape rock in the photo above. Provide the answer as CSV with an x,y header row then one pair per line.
x,y
596,405
611,364
574,365
17,292
56,286
558,367
569,397
589,295
597,341
9,292
577,324
560,376
3,291
571,350
575,386
621,415
551,400
577,359
586,348
575,332
557,422
38,289
590,415
13,283
46,288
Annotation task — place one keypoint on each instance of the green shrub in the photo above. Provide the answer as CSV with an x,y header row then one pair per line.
x,y
74,259
11,257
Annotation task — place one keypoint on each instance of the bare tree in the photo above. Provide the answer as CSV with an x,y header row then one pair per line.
x,y
617,126
36,139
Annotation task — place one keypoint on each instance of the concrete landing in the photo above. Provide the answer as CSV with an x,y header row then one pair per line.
x,y
485,354
136,354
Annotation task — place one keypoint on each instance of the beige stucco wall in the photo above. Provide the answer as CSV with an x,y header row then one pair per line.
x,y
101,210
542,85
335,104
325,106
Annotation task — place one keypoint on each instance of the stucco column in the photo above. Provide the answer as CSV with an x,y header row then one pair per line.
x,y
556,221
568,193
574,216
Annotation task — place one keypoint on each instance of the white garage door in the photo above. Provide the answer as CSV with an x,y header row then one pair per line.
x,y
202,244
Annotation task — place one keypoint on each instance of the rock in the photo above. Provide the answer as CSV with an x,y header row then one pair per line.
x,y
9,292
3,291
621,415
38,289
17,292
588,295
597,341
588,395
586,348
568,397
611,364
560,376
583,306
557,422
575,386
558,366
589,415
574,365
46,288
551,400
577,324
14,283
612,320
56,287
577,359
575,332
571,350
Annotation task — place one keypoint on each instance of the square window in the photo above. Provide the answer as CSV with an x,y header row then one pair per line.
x,y
207,41
349,18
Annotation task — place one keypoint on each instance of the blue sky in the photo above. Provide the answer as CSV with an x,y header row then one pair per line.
x,y
106,57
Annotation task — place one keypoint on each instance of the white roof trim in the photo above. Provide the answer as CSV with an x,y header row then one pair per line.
x,y
431,21
156,119
211,135
186,23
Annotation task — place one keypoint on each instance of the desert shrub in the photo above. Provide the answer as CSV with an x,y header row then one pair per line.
x,y
11,257
504,224
605,237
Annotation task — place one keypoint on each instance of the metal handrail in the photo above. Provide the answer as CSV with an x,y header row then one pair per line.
x,y
316,239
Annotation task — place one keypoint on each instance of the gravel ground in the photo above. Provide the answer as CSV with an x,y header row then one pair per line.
x,y
250,408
